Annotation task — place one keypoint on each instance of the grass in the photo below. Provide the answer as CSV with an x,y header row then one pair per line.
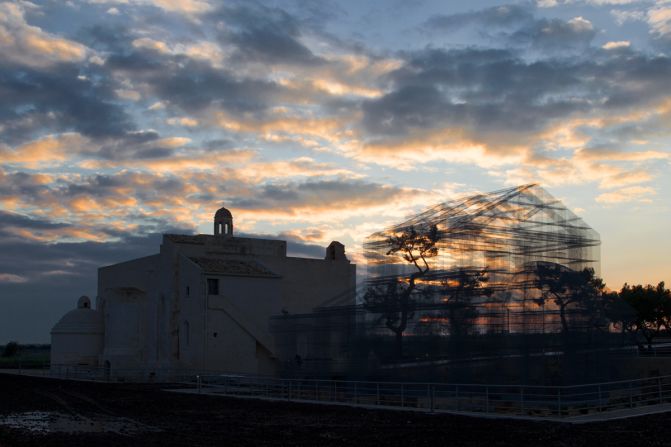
x,y
29,356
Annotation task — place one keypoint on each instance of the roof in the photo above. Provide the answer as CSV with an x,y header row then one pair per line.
x,y
186,239
223,213
80,321
233,267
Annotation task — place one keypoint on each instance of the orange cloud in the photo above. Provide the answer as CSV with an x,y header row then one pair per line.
x,y
45,151
629,194
30,45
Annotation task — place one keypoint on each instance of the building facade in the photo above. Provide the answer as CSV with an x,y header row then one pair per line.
x,y
204,302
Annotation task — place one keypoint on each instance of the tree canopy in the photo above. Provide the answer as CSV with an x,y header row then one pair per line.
x,y
395,300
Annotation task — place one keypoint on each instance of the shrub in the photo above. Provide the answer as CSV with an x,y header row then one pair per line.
x,y
11,349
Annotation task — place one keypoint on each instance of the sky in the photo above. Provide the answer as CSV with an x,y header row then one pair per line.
x,y
317,121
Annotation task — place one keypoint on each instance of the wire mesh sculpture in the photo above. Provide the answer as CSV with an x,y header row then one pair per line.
x,y
511,272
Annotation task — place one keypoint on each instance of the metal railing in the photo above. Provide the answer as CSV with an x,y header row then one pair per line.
x,y
129,375
548,402
506,400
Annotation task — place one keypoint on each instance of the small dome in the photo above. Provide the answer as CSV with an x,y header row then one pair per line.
x,y
223,213
84,302
80,321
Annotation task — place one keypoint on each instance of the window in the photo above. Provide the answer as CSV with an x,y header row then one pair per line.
x,y
212,286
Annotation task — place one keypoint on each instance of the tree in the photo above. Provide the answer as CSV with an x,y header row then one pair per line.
x,y
458,293
619,313
396,299
569,288
651,307
11,349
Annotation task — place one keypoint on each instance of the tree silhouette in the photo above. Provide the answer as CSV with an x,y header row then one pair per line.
x,y
458,292
396,299
651,310
569,288
11,349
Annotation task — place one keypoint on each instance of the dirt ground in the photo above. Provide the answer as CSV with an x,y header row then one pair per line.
x,y
144,415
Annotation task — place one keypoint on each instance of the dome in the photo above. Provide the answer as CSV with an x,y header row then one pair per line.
x,y
80,321
84,302
223,213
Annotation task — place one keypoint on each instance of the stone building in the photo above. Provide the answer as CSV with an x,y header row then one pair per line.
x,y
202,303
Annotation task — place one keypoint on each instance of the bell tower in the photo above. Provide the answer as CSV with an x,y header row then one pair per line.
x,y
223,223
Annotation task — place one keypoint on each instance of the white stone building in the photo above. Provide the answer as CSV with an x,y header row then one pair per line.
x,y
202,303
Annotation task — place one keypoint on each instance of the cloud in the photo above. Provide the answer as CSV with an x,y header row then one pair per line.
x,y
189,8
497,102
659,19
44,151
629,194
60,100
332,196
614,45
556,34
517,25
28,45
481,92
12,278
622,16
182,121
498,16
183,6
263,34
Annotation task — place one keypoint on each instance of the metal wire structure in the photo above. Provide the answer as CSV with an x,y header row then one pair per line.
x,y
502,237
457,285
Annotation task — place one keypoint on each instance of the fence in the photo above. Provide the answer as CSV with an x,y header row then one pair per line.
x,y
506,400
548,402
101,374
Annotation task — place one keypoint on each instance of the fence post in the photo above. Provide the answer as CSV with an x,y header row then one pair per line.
x,y
521,399
600,402
317,390
377,400
631,395
487,400
428,396
433,398
402,397
456,394
356,392
559,402
198,384
659,389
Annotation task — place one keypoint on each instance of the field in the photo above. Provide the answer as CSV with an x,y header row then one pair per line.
x,y
137,415
28,356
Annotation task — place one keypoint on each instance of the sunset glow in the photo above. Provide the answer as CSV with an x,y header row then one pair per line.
x,y
120,121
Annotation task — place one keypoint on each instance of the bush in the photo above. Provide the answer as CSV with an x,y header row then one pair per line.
x,y
11,349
